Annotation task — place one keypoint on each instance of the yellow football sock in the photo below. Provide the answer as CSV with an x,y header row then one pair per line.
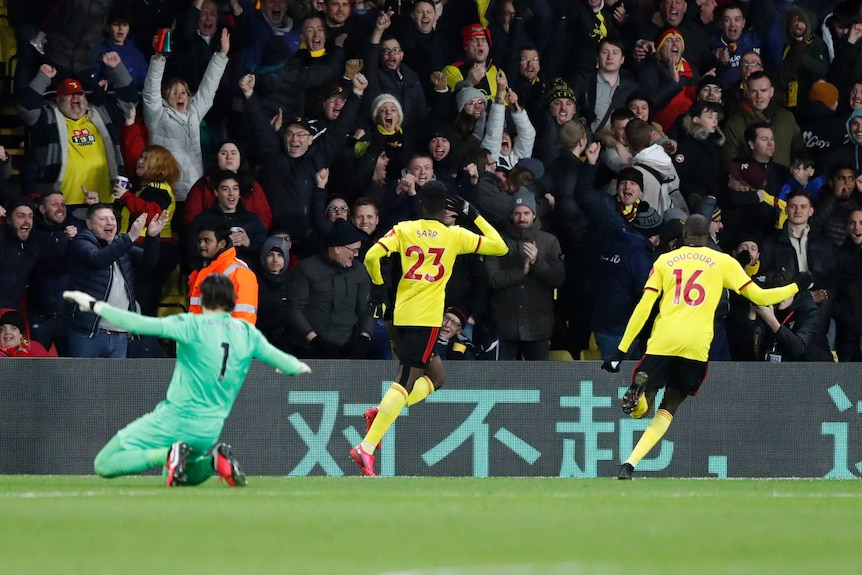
x,y
387,412
422,388
642,408
652,435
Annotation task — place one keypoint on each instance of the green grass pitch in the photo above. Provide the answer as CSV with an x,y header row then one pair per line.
x,y
428,526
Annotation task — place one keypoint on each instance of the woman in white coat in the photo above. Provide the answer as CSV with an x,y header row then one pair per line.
x,y
173,114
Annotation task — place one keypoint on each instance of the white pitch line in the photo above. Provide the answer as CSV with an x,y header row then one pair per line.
x,y
522,569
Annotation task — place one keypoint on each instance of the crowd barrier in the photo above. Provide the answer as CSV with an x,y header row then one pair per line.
x,y
551,419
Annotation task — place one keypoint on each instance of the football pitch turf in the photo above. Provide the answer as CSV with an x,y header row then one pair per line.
x,y
428,526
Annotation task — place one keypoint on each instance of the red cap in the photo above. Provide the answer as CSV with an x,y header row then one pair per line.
x,y
70,86
475,31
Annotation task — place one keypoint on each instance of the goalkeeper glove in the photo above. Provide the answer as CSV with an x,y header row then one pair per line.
x,y
84,301
612,363
303,368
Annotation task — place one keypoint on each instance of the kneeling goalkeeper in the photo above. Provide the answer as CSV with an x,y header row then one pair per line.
x,y
214,352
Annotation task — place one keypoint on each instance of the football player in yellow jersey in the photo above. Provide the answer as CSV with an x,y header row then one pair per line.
x,y
689,281
427,249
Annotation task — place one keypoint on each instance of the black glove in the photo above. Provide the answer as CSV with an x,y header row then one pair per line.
x,y
744,258
804,281
612,363
378,301
462,207
360,346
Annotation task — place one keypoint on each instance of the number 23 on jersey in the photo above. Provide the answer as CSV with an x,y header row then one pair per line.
x,y
437,270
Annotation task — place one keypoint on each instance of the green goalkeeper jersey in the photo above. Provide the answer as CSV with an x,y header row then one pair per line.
x,y
214,353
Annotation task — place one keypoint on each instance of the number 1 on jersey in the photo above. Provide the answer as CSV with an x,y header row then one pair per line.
x,y
691,285
226,347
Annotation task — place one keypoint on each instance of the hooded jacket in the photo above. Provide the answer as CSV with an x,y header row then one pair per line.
x,y
272,294
850,152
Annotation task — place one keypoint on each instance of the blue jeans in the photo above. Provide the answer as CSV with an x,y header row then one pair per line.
x,y
609,343
381,347
107,345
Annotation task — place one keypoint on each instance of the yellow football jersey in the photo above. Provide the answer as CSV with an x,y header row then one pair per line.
x,y
689,281
428,249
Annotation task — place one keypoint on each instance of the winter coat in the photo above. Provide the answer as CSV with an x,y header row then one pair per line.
x,y
788,136
798,339
285,85
91,270
728,74
654,191
805,61
585,91
73,42
51,275
697,163
47,157
404,84
623,268
523,305
329,300
181,132
272,295
847,306
17,260
851,152
289,182
822,129
670,98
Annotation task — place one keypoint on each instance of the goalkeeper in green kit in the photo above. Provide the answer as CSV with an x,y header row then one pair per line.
x,y
214,352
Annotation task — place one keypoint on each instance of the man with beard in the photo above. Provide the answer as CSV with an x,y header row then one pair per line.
x,y
523,282
216,248
74,144
55,228
18,254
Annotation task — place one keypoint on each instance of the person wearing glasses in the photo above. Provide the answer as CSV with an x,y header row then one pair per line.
x,y
388,74
450,343
328,311
290,160
528,83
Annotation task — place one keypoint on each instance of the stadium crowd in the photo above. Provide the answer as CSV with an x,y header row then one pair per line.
x,y
275,142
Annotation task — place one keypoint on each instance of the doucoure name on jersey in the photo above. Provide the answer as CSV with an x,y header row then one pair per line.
x,y
692,256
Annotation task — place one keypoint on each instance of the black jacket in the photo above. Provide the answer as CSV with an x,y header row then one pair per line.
x,y
799,337
17,260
